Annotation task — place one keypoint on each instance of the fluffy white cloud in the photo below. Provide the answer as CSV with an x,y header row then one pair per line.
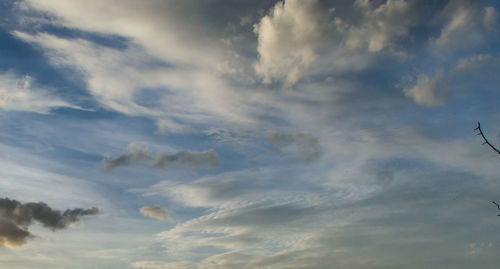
x,y
426,90
288,37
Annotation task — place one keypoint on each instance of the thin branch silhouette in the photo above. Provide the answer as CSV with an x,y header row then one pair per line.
x,y
485,140
497,206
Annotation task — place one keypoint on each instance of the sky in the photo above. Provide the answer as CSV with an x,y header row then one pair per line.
x,y
249,134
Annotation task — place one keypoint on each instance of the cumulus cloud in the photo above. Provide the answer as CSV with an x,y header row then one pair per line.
x,y
156,212
22,93
426,90
15,217
287,39
136,151
205,159
303,147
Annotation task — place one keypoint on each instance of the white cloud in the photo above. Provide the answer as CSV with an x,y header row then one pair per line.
x,y
119,78
22,93
158,26
426,90
299,37
464,25
379,26
460,19
288,37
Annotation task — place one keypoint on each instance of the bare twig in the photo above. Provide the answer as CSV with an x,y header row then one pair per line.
x,y
496,205
485,140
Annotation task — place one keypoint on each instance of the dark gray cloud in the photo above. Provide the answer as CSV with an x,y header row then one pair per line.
x,y
138,151
15,217
205,159
304,147
11,234
135,152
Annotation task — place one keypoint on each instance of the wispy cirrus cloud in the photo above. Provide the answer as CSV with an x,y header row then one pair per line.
x,y
22,93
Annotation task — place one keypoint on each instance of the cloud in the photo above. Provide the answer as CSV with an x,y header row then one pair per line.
x,y
466,25
295,217
11,235
139,151
205,159
136,151
22,93
166,126
162,265
167,57
15,217
287,39
229,188
473,61
490,16
156,212
426,90
303,147
380,25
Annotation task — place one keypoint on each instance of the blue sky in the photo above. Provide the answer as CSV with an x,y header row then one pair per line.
x,y
237,134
